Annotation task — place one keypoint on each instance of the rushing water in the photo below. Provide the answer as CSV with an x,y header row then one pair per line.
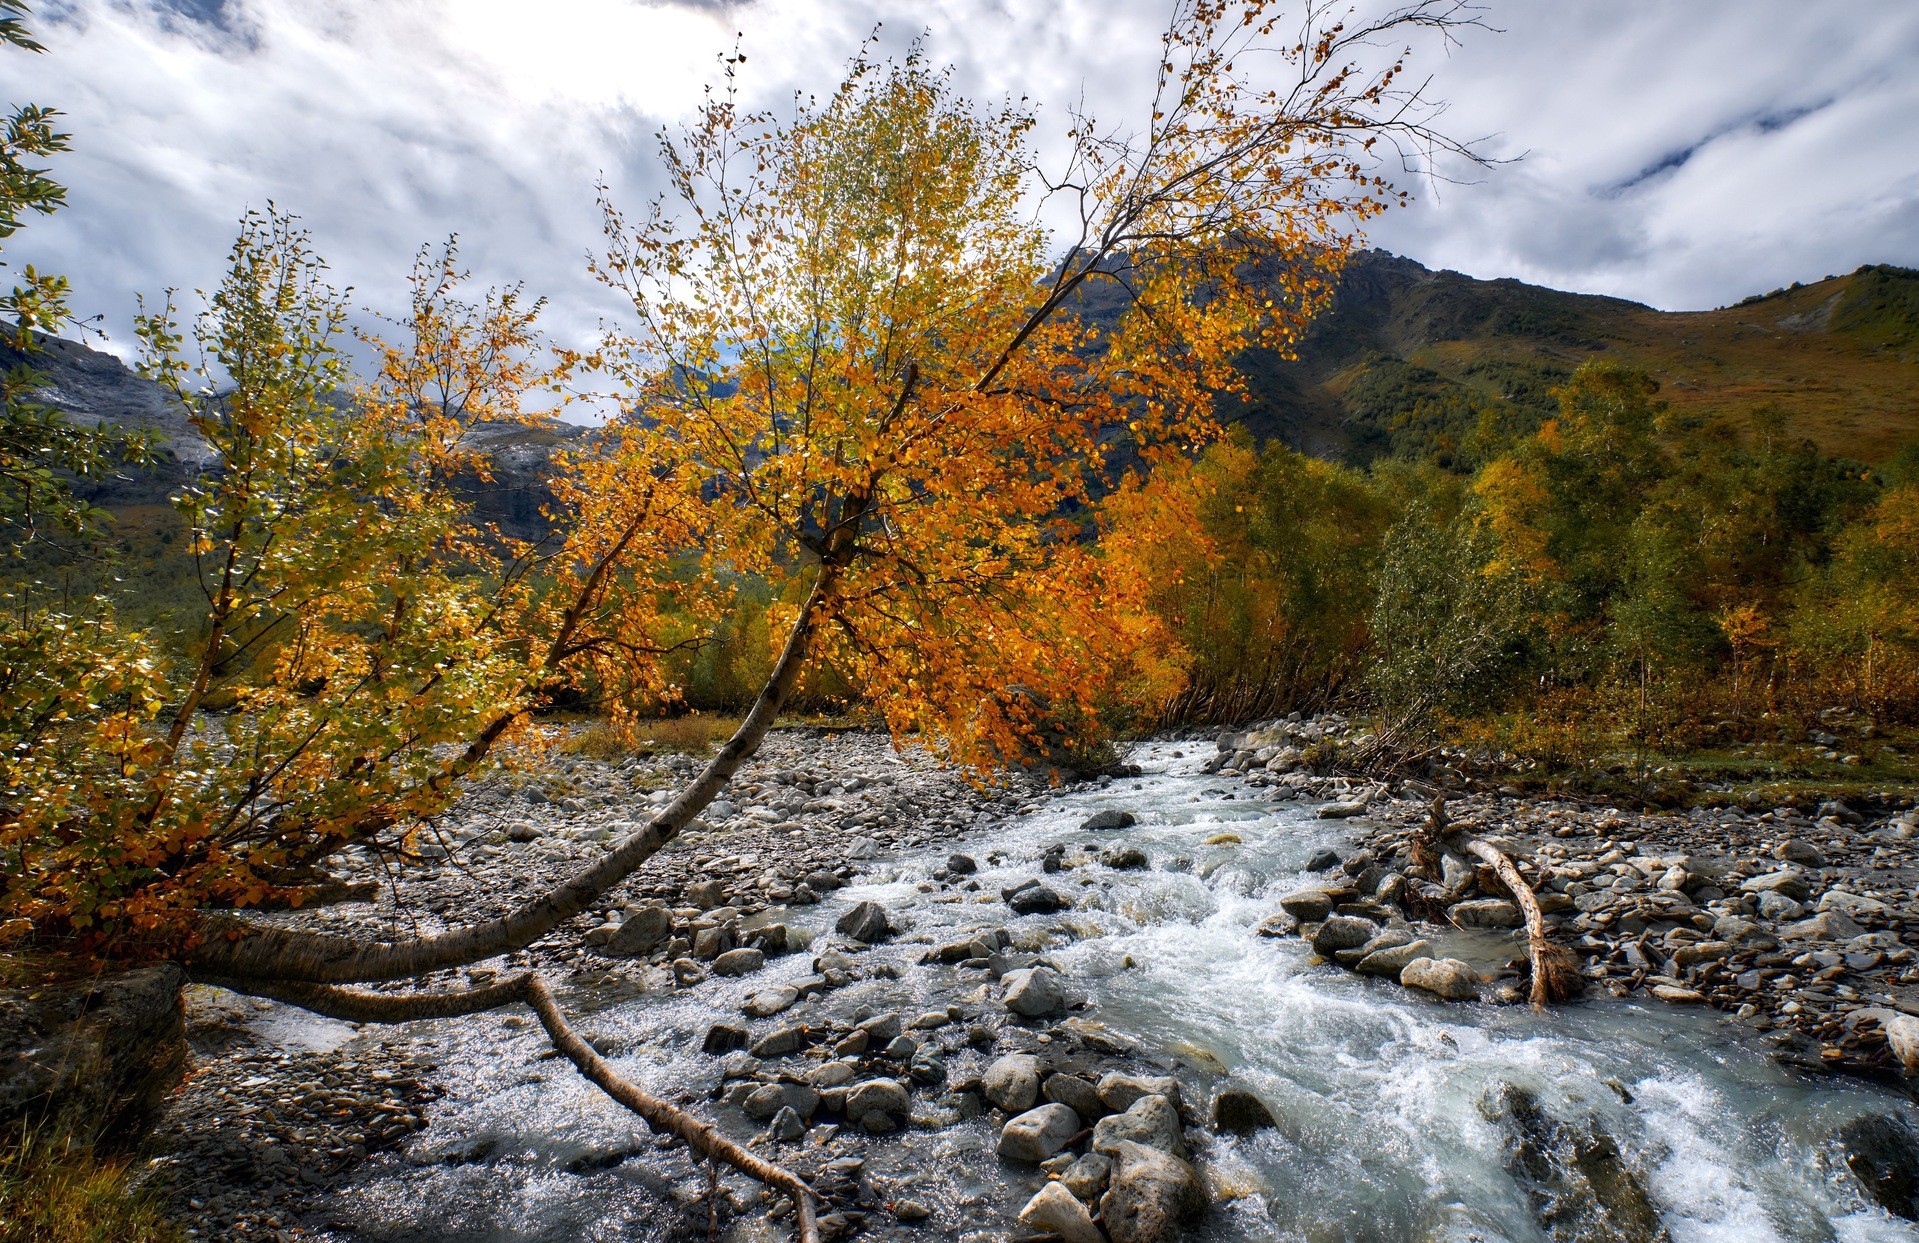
x,y
1377,1092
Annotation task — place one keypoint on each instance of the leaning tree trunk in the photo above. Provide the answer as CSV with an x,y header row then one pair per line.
x,y
1555,976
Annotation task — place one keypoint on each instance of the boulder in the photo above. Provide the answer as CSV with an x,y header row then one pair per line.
x,y
1104,820
1485,913
1012,1082
1038,1133
1343,810
1119,1091
777,1043
1825,926
877,1096
1803,853
1036,899
706,894
1851,904
1882,1152
1124,858
1343,932
1055,1210
641,932
1323,860
1392,960
1446,978
1076,1092
765,1101
1150,1120
1149,1195
961,865
724,1038
1034,992
1308,906
1902,1038
1573,1172
739,962
1787,883
865,921
1237,1111
770,1001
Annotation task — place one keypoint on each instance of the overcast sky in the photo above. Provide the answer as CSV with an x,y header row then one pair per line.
x,y
1683,153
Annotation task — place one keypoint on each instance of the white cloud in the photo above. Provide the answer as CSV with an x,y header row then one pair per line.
x,y
388,123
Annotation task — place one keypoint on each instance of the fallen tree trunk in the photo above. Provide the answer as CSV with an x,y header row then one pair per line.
x,y
361,1006
1555,973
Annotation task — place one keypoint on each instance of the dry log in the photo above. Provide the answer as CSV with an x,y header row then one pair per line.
x,y
364,1006
1555,973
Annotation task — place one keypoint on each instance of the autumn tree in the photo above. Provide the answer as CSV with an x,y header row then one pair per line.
x,y
855,366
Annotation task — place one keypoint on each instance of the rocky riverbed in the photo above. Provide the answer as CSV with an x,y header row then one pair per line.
x,y
1093,1014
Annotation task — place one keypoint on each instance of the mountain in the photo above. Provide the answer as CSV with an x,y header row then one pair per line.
x,y
1409,359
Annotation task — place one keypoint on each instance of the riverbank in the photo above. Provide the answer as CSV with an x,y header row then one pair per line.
x,y
881,1038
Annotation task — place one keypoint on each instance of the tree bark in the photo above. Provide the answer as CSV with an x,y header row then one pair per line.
x,y
236,948
1555,977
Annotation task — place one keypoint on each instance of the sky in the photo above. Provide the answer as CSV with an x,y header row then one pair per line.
x,y
1681,154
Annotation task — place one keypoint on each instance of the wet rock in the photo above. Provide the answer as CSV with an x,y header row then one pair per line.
x,y
724,1038
1390,961
1902,1039
1119,1091
1278,924
1851,904
1446,978
1150,1194
881,1029
687,972
885,1097
1011,1083
1036,899
1038,1133
1308,906
911,1211
1108,820
786,1125
1825,926
1578,1183
1055,1210
865,921
1034,992
770,1001
1124,858
706,894
1076,1092
1237,1111
1323,861
1882,1152
1787,883
779,1042
739,962
1485,913
1150,1120
1343,932
961,865
1087,1176
1343,810
641,932
765,1101
1803,853
832,1074
1222,839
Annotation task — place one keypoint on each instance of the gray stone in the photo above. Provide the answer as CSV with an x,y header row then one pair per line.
x,y
882,1096
1323,860
1803,853
1882,1151
1308,906
961,865
724,1038
1389,962
1344,810
786,1125
1485,913
1124,859
770,1001
1075,1091
779,1042
1055,1210
1825,926
865,921
1034,992
1086,1177
706,894
1237,1111
641,932
1012,1082
1787,882
1108,820
1036,900
1343,932
1446,978
1151,1120
1150,1194
739,962
1038,1133
1119,1091
768,1099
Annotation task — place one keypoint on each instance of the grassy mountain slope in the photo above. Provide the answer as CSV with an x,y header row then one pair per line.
x,y
1411,359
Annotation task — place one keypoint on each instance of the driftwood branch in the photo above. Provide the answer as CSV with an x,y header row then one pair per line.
x,y
1555,975
362,1006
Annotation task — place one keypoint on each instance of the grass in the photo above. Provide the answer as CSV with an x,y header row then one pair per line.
x,y
50,1194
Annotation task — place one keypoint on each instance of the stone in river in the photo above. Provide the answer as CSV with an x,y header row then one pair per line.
x,y
1124,858
1342,810
877,1096
1119,1091
786,1125
1446,978
779,1042
1485,913
1308,906
1087,1176
1034,992
1108,820
1037,1134
706,894
1389,962
1150,1194
739,962
724,1038
1237,1111
1678,995
1882,1151
865,921
1055,1210
1323,861
641,931
1036,899
1150,1120
1343,932
1075,1091
765,1101
961,865
1787,882
770,1001
1012,1082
